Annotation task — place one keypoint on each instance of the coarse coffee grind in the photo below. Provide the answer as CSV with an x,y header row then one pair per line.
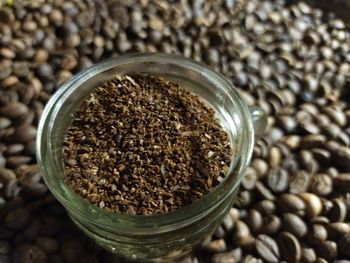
x,y
141,144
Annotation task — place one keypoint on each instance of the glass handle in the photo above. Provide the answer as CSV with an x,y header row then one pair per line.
x,y
259,119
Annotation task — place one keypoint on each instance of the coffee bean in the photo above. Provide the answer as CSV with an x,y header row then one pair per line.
x,y
338,212
72,249
267,248
313,204
343,245
337,115
24,133
342,157
338,229
27,253
321,260
327,250
290,203
266,207
254,220
271,224
14,149
290,247
292,141
319,233
260,167
48,245
6,175
217,245
249,179
14,110
299,182
4,123
17,160
17,218
308,255
294,224
264,192
251,259
219,232
321,155
241,234
342,181
321,184
274,157
277,179
32,230
244,199
4,247
224,257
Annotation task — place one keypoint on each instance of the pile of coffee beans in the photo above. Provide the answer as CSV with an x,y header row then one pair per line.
x,y
291,59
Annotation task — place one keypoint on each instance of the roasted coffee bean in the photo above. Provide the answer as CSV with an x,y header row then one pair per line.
x,y
313,204
251,259
14,110
342,181
219,232
321,184
271,224
338,212
17,160
294,224
26,253
312,141
260,167
217,245
274,157
24,133
241,234
327,250
254,220
6,175
228,222
224,257
319,233
299,182
290,203
17,218
343,245
244,199
4,122
267,248
277,179
266,207
249,179
321,260
290,247
263,192
14,149
308,255
337,229
48,245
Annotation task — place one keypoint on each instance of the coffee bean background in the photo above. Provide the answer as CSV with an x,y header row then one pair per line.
x,y
290,59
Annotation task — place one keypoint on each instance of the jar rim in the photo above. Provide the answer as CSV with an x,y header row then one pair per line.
x,y
102,217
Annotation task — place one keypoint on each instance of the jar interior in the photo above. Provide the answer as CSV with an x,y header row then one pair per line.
x,y
210,86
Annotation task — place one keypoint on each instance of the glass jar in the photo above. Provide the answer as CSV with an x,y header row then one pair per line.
x,y
162,236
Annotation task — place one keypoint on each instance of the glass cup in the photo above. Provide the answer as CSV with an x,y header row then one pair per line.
x,y
159,237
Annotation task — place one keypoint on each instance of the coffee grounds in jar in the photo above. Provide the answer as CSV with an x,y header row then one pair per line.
x,y
143,145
